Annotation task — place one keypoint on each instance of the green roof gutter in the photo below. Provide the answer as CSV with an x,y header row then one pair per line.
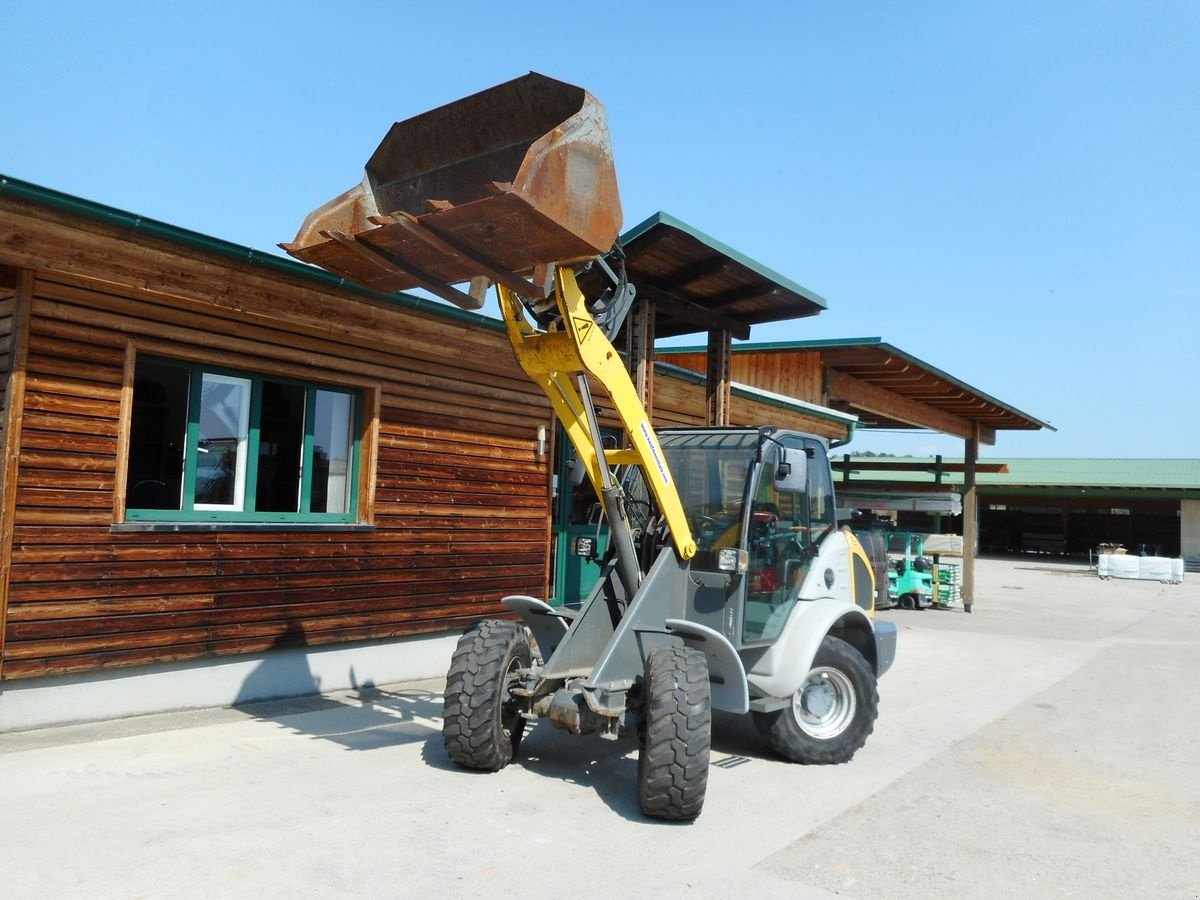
x,y
133,223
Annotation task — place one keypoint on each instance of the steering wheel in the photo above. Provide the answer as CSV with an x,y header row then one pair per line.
x,y
704,522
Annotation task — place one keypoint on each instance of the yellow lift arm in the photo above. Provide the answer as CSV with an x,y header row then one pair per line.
x,y
558,361
441,203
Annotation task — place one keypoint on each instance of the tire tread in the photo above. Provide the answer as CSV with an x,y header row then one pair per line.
x,y
673,764
784,735
473,704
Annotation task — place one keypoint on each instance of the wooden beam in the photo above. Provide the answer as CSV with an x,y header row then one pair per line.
x,y
750,292
703,269
124,423
857,393
717,384
899,487
970,516
13,412
694,313
640,352
886,465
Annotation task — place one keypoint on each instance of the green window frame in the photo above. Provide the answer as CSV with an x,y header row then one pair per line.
x,y
240,403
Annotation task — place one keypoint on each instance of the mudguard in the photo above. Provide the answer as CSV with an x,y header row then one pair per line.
x,y
730,691
780,669
547,623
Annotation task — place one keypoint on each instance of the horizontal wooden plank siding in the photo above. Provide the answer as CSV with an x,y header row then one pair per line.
x,y
793,374
17,288
454,489
681,403
458,493
8,308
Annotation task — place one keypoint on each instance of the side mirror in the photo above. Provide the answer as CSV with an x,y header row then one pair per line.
x,y
791,471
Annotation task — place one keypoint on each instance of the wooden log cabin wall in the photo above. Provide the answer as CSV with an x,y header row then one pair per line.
x,y
450,507
680,401
796,374
112,331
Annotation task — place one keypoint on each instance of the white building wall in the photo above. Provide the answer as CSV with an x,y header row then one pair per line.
x,y
1189,528
41,702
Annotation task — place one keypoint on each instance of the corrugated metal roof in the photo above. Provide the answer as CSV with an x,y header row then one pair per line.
x,y
1174,474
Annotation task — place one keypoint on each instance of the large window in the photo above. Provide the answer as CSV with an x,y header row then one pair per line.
x,y
213,445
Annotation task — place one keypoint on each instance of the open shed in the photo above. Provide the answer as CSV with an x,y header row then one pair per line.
x,y
885,387
1059,507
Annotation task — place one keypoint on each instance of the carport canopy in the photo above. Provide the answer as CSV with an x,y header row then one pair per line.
x,y
698,284
881,384
886,388
687,283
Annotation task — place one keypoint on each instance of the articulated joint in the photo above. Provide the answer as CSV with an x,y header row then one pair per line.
x,y
567,709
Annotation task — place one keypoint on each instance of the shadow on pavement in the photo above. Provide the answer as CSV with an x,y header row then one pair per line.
x,y
608,768
367,718
370,718
604,767
364,718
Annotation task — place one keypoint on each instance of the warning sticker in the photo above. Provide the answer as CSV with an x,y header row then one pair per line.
x,y
583,328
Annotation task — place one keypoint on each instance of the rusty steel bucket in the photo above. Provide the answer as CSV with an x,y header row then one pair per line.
x,y
517,176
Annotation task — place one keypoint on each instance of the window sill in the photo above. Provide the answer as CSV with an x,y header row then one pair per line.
x,y
168,527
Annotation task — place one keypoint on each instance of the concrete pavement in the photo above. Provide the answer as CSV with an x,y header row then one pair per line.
x,y
1045,745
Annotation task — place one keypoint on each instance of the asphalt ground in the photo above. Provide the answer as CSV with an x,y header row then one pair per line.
x,y
1044,746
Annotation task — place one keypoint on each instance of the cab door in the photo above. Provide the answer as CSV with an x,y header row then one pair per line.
x,y
782,534
577,513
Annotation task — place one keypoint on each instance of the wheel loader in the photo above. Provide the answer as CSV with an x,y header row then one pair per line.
x,y
727,583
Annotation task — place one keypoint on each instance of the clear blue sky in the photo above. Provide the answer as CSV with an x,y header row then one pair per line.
x,y
1008,191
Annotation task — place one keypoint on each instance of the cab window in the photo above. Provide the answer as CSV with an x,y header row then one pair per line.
x,y
783,532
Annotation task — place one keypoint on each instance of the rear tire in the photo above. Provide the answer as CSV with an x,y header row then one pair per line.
x,y
673,760
831,715
481,727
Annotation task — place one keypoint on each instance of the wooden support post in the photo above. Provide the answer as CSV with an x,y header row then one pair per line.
x,y
10,447
970,523
937,479
640,352
717,384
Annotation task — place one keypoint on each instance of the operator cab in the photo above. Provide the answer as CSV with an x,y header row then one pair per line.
x,y
752,557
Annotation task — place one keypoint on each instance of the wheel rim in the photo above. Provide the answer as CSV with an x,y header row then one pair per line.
x,y
509,717
825,704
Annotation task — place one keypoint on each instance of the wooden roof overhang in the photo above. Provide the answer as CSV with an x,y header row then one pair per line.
x,y
698,284
881,384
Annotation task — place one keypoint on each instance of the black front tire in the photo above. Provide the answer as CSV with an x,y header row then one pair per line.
x,y
481,727
673,760
832,714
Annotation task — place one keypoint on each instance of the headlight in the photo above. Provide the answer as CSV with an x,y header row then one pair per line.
x,y
730,559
